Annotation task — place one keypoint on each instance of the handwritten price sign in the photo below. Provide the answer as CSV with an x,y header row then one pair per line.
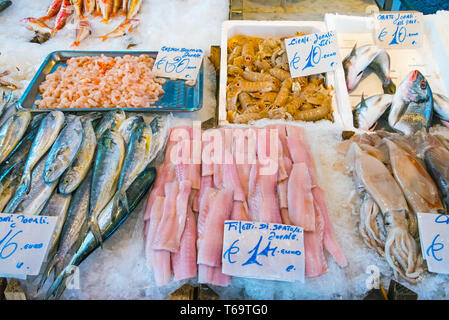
x,y
23,242
401,30
434,235
312,54
178,63
263,250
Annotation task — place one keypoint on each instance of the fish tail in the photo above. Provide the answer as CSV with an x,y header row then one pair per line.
x,y
389,86
48,269
95,229
123,200
103,38
60,284
75,43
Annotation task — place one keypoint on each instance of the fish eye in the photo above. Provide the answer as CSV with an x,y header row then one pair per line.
x,y
423,85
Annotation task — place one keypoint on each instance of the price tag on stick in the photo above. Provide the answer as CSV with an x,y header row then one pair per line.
x,y
178,63
263,250
399,30
434,235
312,54
23,242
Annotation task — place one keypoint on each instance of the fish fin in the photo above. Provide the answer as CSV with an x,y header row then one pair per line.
x,y
25,183
75,44
103,38
106,21
353,50
95,229
59,285
389,87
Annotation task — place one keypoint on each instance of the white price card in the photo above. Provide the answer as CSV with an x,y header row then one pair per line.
x,y
312,54
260,250
434,235
178,63
23,242
399,30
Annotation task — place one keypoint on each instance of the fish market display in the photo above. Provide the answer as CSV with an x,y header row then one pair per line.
x,y
259,84
410,109
102,82
397,176
124,28
209,176
55,167
367,57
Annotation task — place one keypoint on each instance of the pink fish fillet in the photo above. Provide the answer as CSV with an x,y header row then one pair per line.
x,y
330,243
195,196
230,179
240,211
164,173
206,181
157,260
315,261
173,220
184,261
299,152
282,194
215,208
213,276
300,197
263,201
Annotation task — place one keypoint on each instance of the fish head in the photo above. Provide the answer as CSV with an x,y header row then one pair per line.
x,y
352,74
418,87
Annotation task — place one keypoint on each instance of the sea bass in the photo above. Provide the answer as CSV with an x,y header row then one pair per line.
x,y
124,28
36,25
107,168
12,131
49,129
412,106
368,111
78,169
64,150
109,220
83,30
356,63
63,14
133,8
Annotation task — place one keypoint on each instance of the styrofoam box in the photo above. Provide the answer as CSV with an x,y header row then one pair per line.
x,y
428,59
274,29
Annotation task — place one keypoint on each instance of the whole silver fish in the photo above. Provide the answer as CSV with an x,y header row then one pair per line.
x,y
73,231
441,106
57,206
12,131
33,202
412,106
127,126
49,129
111,120
368,111
160,127
136,159
78,169
357,62
6,100
381,65
64,150
107,168
109,220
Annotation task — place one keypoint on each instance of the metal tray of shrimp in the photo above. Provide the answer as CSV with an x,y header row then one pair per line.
x,y
178,94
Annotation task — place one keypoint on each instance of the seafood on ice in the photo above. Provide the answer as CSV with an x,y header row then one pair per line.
x,y
252,174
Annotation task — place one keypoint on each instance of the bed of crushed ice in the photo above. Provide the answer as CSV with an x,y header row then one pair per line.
x,y
118,271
